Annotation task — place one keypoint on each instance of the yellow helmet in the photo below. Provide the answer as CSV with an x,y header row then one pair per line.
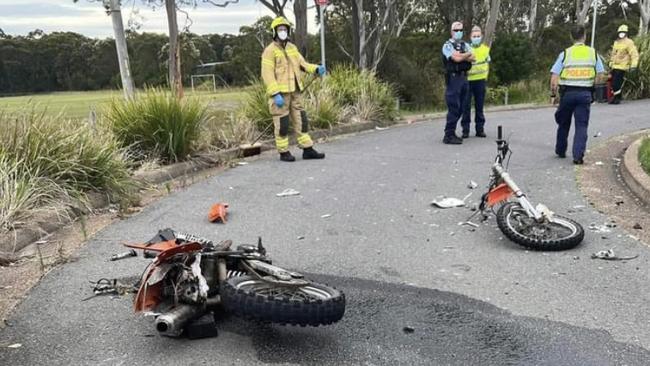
x,y
622,28
278,22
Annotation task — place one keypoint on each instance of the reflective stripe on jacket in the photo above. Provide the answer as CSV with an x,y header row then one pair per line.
x,y
624,55
283,68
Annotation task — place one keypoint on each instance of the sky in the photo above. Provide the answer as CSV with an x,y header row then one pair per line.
x,y
19,17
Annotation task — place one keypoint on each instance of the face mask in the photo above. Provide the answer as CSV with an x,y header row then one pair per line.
x,y
621,35
476,41
458,35
283,35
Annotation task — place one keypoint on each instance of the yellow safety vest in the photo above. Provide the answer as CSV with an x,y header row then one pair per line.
x,y
579,66
283,68
481,66
624,55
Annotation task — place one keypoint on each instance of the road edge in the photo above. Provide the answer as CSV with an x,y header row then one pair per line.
x,y
633,174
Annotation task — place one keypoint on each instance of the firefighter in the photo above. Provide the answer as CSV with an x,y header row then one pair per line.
x,y
457,57
477,77
624,58
573,76
283,70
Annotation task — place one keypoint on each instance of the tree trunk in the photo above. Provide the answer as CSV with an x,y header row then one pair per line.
x,y
491,24
468,17
533,18
644,7
360,53
300,33
175,78
122,51
582,9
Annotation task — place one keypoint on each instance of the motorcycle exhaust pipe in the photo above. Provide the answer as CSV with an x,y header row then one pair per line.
x,y
171,324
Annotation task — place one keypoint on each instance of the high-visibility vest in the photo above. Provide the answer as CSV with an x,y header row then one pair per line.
x,y
624,55
579,66
283,68
481,66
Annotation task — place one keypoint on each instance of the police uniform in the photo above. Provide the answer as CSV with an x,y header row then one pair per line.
x,y
457,85
577,67
477,77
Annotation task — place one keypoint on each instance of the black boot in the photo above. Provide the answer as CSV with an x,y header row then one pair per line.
x,y
286,156
452,140
480,133
466,134
310,153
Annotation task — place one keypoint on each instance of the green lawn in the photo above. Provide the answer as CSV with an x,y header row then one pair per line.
x,y
644,155
78,104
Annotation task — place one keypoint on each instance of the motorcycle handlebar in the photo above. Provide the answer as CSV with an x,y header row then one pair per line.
x,y
499,132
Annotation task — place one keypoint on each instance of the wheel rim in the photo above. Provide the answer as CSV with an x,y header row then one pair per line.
x,y
555,229
299,293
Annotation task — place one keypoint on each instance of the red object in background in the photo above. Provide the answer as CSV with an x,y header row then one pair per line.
x,y
610,90
322,2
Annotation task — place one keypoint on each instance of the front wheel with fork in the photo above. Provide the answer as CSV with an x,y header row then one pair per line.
x,y
558,233
311,304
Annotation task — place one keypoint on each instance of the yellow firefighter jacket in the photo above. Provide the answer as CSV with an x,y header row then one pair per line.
x,y
283,68
624,55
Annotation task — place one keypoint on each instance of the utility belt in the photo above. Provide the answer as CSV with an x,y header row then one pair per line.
x,y
457,73
567,88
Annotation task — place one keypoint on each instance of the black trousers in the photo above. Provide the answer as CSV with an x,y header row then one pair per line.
x,y
617,83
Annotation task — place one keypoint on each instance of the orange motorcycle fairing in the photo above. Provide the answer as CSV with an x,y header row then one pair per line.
x,y
218,211
499,194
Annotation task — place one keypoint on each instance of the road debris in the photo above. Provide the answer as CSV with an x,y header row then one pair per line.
x,y
117,257
609,255
15,345
472,184
605,228
326,216
218,212
380,128
104,286
408,329
300,237
243,163
450,202
599,163
468,223
637,226
288,192
598,134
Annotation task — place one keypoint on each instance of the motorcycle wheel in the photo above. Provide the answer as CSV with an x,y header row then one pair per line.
x,y
560,233
313,304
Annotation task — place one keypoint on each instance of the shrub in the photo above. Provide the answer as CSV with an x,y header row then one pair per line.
x,y
46,158
224,130
157,125
512,59
256,105
322,106
644,155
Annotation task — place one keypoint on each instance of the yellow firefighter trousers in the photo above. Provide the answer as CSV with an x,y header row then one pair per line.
x,y
291,113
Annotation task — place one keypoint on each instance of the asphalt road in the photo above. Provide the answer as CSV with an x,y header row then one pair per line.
x,y
472,297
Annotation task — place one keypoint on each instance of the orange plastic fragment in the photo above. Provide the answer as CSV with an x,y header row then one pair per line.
x,y
218,211
499,194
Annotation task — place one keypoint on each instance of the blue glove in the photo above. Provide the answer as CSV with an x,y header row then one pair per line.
x,y
279,100
320,70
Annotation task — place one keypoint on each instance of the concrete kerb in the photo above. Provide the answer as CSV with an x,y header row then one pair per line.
x,y
18,239
633,174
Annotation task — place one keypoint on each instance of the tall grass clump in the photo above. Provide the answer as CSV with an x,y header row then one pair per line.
x,y
644,155
47,159
637,85
323,106
226,129
255,107
361,89
157,125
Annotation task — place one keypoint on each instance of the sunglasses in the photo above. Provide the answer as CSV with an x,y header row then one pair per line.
x,y
457,30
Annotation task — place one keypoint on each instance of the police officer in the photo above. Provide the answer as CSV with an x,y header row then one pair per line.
x,y
283,69
573,76
477,77
624,58
457,57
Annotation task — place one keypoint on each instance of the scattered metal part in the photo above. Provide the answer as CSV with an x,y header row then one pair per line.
x,y
448,202
467,223
408,329
15,345
326,216
288,192
171,323
605,228
106,287
128,254
301,237
472,184
610,256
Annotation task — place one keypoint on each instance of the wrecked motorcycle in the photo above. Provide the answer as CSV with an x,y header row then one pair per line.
x,y
191,276
534,227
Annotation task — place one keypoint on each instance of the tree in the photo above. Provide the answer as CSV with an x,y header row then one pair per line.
x,y
492,19
644,8
276,6
300,33
113,9
533,18
582,8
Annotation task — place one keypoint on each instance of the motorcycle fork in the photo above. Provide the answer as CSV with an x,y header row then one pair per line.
x,y
518,193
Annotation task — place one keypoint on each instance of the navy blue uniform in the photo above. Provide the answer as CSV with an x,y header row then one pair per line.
x,y
457,87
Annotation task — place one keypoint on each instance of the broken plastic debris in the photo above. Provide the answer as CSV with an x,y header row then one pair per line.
x,y
243,163
600,228
599,163
609,255
15,345
288,192
598,134
326,216
472,184
449,202
380,128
